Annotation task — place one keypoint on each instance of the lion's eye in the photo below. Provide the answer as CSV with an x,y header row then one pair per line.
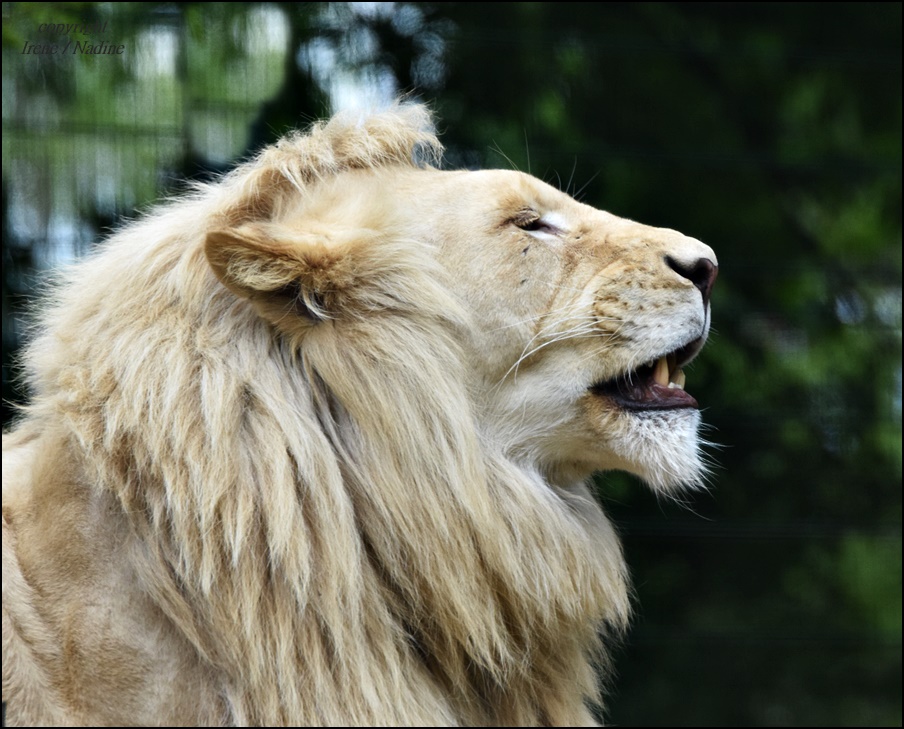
x,y
531,222
533,225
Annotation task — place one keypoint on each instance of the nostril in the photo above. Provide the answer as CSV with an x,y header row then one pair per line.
x,y
702,273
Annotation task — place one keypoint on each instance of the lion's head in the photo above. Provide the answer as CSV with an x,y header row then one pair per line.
x,y
346,403
572,325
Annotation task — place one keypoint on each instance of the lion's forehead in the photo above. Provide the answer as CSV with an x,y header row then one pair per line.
x,y
461,192
511,190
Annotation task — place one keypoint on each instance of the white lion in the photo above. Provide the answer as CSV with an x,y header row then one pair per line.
x,y
309,446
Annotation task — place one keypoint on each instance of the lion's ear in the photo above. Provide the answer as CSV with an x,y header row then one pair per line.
x,y
277,268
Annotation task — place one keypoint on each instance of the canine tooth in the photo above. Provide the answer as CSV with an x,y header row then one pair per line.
x,y
678,379
661,373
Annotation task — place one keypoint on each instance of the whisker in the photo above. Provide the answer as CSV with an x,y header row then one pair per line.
x,y
534,318
585,185
575,333
574,168
496,148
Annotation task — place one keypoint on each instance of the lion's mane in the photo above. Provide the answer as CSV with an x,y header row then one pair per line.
x,y
319,514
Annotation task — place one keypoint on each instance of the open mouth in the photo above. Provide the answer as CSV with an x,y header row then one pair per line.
x,y
657,385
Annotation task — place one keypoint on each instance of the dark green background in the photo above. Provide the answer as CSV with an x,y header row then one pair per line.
x,y
770,131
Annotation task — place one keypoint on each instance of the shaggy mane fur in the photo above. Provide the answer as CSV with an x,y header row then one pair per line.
x,y
314,511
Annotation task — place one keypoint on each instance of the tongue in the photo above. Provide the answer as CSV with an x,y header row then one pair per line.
x,y
650,395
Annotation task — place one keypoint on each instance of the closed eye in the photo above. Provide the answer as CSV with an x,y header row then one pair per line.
x,y
531,222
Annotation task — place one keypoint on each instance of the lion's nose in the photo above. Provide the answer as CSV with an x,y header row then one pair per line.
x,y
701,272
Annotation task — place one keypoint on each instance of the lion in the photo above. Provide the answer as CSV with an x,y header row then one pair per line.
x,y
311,446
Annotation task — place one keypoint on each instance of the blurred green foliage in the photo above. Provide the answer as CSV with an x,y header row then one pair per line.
x,y
772,132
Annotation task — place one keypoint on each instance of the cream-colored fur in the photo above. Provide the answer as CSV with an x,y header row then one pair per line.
x,y
308,447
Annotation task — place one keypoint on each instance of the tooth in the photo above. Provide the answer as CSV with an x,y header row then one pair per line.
x,y
678,379
661,373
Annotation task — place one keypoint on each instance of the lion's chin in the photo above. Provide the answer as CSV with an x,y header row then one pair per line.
x,y
660,446
663,447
